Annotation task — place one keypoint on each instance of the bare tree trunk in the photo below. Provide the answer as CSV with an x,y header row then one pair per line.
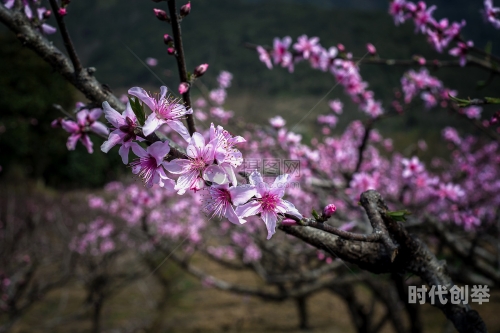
x,y
302,311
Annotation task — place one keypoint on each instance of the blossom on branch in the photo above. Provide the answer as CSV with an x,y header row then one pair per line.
x,y
149,165
268,202
86,122
123,134
165,110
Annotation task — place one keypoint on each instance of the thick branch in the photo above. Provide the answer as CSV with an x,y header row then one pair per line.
x,y
413,256
32,38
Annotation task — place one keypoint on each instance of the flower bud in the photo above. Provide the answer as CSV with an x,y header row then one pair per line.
x,y
62,12
341,47
161,15
288,222
371,49
329,210
171,50
200,70
185,10
183,88
167,39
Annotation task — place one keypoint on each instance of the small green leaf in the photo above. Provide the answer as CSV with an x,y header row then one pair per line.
x,y
459,101
398,215
138,109
315,214
492,100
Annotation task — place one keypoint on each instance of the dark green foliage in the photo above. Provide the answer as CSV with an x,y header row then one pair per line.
x,y
29,147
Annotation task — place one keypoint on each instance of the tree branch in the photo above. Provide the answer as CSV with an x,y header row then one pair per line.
x,y
66,38
30,37
181,61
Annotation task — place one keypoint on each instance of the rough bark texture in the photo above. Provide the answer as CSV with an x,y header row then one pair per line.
x,y
410,255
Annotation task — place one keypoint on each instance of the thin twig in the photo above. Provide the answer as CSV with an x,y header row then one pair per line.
x,y
181,61
66,38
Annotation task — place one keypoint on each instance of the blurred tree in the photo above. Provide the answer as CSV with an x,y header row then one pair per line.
x,y
29,147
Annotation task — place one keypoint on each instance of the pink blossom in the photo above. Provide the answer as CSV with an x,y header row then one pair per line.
x,y
268,202
473,112
412,167
329,120
165,110
198,167
124,130
218,96
219,113
451,134
183,88
224,79
277,122
329,210
86,121
421,15
264,56
221,199
151,61
200,70
336,106
429,99
306,46
371,49
252,253
461,51
225,152
280,49
450,191
396,9
492,14
149,165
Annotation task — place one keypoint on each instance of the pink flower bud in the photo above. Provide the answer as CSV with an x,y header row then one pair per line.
x,y
371,49
200,70
185,10
161,15
341,47
62,11
329,210
183,88
288,222
47,14
167,39
171,50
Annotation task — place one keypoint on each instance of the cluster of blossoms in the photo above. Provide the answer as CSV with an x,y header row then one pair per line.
x,y
433,93
209,162
334,59
42,14
439,34
96,238
80,128
207,172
